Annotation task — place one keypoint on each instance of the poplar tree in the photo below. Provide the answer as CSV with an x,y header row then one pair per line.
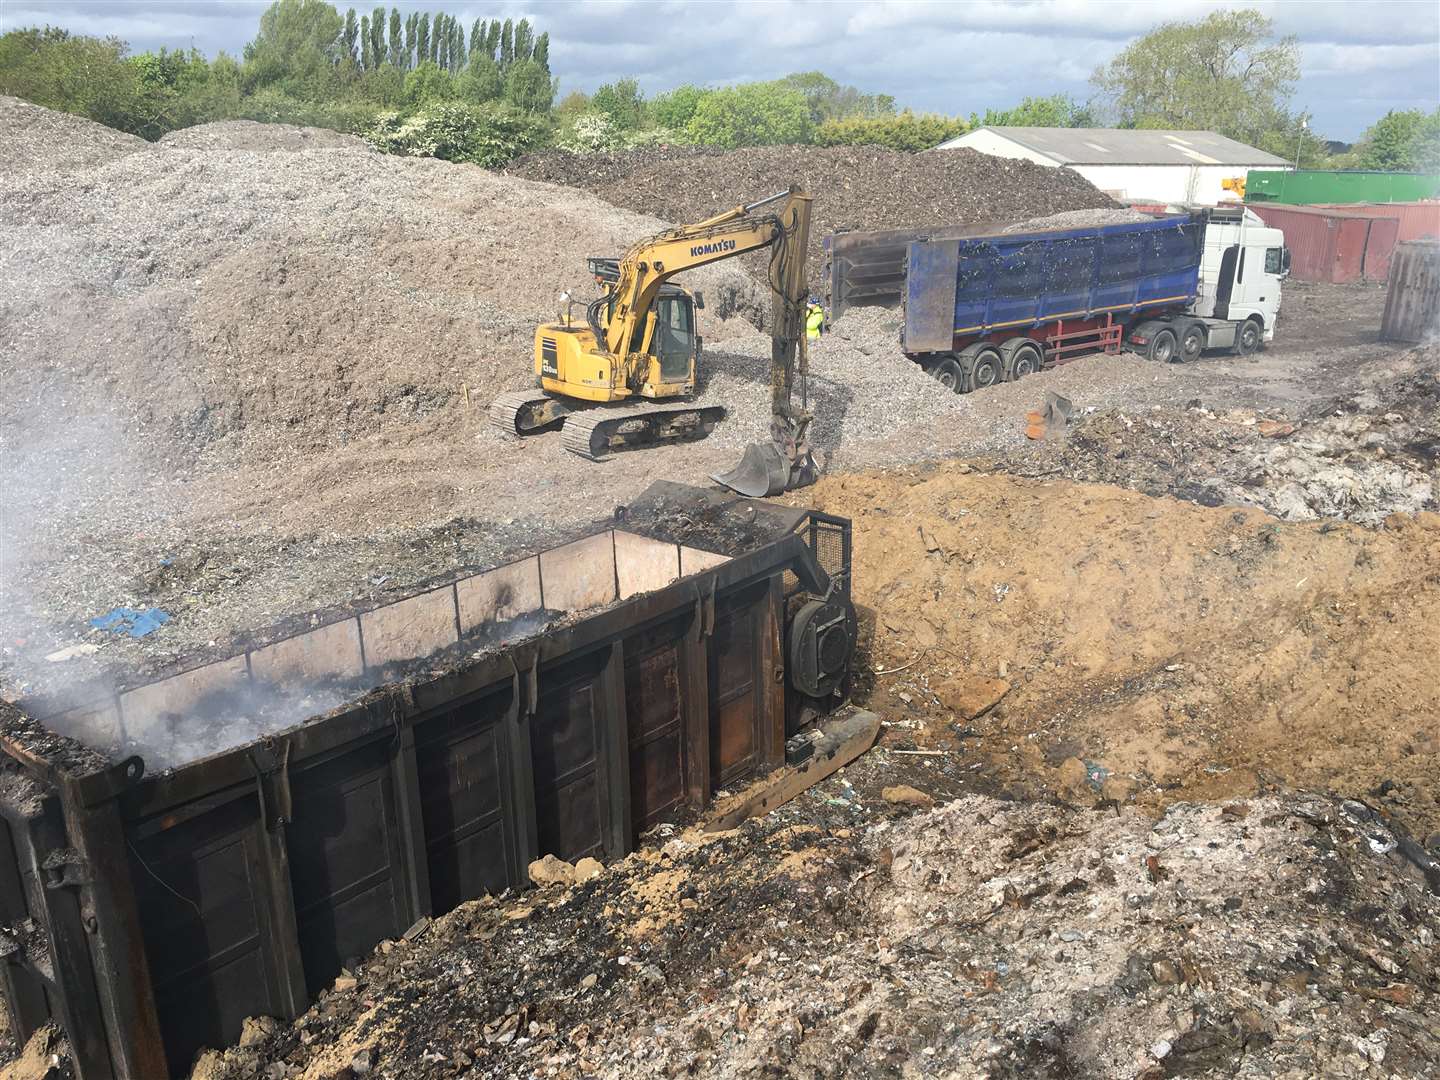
x,y
410,21
377,36
422,39
397,40
492,39
367,59
542,52
507,45
524,40
477,36
350,37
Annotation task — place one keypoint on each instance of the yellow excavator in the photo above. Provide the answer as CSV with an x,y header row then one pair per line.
x,y
637,343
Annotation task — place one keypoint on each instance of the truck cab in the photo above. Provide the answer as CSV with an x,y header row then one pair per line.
x,y
1241,268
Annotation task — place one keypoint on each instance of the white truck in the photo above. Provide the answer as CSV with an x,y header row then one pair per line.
x,y
982,309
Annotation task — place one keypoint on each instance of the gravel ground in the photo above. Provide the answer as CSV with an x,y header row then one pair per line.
x,y
34,141
228,135
1078,219
855,187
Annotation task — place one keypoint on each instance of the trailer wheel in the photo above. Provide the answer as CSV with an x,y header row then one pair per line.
x,y
987,369
1025,360
949,375
1248,338
1162,347
1192,343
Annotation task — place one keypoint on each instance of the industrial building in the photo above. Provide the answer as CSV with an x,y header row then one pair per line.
x,y
1163,167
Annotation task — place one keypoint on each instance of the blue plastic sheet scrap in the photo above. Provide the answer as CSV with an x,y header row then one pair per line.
x,y
124,620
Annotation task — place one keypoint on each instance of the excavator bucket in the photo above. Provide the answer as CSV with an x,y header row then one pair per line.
x,y
765,470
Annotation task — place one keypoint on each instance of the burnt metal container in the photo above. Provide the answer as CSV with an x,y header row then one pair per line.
x,y
1412,299
563,703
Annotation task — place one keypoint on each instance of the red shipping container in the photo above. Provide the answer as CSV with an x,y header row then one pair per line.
x,y
1418,220
1384,235
1328,245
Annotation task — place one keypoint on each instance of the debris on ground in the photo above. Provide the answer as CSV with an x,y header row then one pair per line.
x,y
1361,457
1276,936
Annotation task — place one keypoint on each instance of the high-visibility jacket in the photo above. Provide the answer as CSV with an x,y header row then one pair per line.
x,y
814,321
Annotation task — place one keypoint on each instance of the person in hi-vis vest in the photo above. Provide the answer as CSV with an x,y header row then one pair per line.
x,y
814,319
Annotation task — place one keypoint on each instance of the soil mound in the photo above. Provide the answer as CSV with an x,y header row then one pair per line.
x,y
36,140
855,187
222,303
258,137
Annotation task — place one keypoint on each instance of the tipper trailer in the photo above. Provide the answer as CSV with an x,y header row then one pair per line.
x,y
986,309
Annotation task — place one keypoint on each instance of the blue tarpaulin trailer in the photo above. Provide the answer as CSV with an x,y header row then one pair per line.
x,y
959,288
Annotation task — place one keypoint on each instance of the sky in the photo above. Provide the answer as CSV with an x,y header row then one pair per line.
x,y
1360,57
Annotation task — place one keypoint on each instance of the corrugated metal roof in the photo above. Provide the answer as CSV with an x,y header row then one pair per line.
x,y
1127,146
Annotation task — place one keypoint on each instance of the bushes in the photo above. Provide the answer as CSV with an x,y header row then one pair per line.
x,y
751,114
907,131
486,135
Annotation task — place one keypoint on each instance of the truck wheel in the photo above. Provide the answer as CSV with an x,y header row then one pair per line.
x,y
1192,343
1248,338
1162,347
987,369
1026,360
948,374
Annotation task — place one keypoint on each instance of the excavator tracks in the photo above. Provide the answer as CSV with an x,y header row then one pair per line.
x,y
527,412
596,432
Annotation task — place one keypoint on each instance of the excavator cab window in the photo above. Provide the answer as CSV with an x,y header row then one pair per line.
x,y
674,339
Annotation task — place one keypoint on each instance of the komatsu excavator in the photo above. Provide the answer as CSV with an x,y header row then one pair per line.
x,y
638,342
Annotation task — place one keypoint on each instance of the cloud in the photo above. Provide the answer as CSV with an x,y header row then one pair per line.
x,y
1359,58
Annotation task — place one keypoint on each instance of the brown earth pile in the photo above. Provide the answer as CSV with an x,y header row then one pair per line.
x,y
1177,650
855,187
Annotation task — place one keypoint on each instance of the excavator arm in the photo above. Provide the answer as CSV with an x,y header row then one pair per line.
x,y
782,223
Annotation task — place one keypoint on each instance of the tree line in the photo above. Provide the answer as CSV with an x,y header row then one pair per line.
x,y
378,39
427,83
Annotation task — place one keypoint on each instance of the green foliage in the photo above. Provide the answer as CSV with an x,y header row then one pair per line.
x,y
907,131
397,40
751,114
524,40
422,39
486,135
541,55
1226,72
829,100
481,80
1290,137
507,45
1057,110
350,38
1401,141
673,110
295,50
622,102
589,133
528,87
428,84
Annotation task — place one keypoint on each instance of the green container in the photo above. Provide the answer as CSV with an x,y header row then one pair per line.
x,y
1310,186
